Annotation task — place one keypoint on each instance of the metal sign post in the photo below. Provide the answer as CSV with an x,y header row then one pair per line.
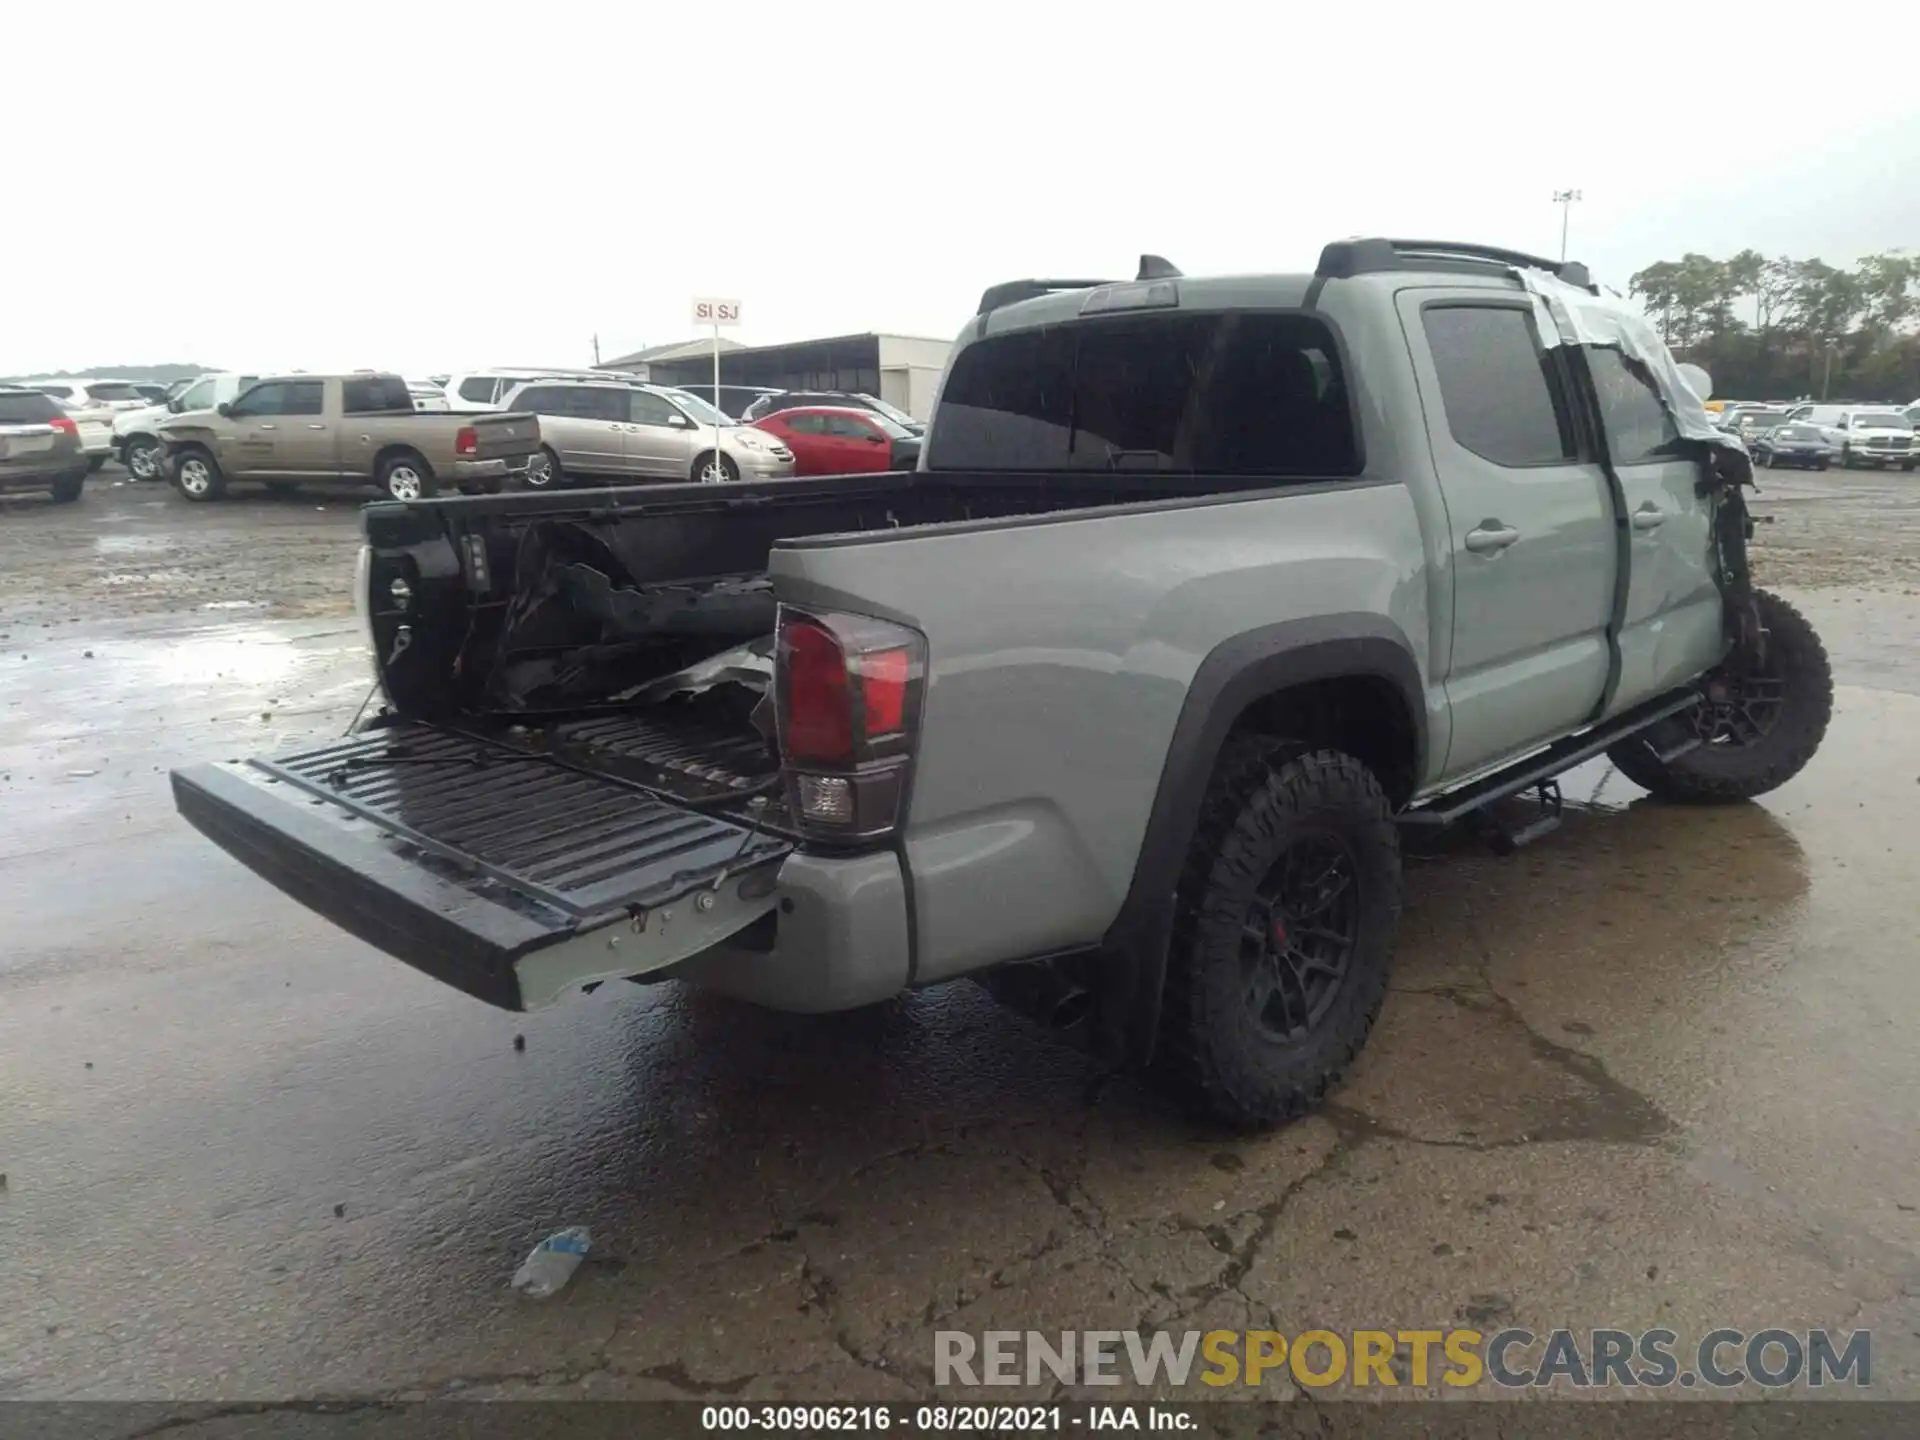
x,y
716,313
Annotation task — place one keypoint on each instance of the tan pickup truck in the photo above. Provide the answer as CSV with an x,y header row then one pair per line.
x,y
291,428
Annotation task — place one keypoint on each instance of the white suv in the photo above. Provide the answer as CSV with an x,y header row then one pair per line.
x,y
93,404
484,389
1862,435
136,433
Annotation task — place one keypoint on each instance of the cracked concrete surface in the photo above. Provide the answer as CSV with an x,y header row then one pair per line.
x,y
1651,1071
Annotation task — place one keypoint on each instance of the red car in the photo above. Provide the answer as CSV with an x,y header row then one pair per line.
x,y
834,440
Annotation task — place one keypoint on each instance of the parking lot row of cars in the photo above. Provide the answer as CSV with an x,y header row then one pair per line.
x,y
1812,436
590,427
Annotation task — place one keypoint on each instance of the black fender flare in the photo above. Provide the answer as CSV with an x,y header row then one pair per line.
x,y
1235,674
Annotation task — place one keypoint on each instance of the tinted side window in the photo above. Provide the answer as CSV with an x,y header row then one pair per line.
x,y
477,388
58,392
1503,396
308,397
1638,426
847,427
540,399
646,408
197,396
268,399
1241,393
601,404
807,424
368,394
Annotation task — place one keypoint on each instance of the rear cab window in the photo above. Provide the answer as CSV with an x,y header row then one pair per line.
x,y
1235,393
374,395
478,389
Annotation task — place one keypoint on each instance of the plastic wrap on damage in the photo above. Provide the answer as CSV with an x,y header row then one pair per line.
x,y
1570,315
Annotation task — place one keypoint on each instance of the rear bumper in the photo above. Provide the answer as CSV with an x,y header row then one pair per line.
x,y
469,470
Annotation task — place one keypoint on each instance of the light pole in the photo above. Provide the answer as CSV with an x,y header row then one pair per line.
x,y
1564,199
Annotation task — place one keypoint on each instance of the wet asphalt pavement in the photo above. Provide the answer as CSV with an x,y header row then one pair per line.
x,y
1657,1070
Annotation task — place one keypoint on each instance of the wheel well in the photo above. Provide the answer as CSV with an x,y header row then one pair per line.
x,y
395,452
1365,716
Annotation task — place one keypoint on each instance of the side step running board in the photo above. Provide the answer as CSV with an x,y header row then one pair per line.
x,y
1542,766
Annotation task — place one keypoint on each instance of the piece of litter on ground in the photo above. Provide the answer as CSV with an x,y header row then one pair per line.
x,y
3,1181
86,654
519,1042
82,774
339,1212
552,1263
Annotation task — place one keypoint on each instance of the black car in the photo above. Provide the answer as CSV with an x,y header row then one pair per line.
x,y
1799,447
775,401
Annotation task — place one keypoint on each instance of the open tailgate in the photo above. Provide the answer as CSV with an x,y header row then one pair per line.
x,y
515,877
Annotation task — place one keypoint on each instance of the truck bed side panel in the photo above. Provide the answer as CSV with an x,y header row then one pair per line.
x,y
1061,652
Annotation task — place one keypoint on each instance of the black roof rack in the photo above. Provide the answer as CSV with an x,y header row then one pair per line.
x,y
1011,292
1346,258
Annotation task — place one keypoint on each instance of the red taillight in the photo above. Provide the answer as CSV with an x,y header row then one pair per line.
x,y
466,441
819,713
884,675
65,424
847,702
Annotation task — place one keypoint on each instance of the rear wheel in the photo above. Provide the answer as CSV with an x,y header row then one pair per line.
x,y
1756,730
713,468
143,458
1288,907
66,488
197,476
543,470
407,477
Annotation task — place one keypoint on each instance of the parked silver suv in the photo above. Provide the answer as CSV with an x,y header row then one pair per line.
x,y
610,430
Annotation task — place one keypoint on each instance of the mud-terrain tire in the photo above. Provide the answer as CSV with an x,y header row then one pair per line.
x,y
1759,733
1283,934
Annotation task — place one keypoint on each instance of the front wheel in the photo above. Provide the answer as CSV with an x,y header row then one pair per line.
x,y
543,470
1288,906
197,476
143,458
66,488
1756,730
713,468
407,477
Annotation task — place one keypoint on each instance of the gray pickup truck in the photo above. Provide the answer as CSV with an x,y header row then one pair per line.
x,y
364,427
1204,590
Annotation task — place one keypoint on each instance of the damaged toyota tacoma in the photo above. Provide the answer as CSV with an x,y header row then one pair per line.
x,y
1204,591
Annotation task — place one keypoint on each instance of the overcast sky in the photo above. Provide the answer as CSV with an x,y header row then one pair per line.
x,y
435,187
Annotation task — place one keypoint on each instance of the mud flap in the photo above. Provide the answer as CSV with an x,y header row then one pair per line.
x,y
511,876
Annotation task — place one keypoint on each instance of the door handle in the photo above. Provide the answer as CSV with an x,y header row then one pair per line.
x,y
1490,537
316,427
1649,517
269,427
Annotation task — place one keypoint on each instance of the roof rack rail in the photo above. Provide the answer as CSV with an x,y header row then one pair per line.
x,y
1346,258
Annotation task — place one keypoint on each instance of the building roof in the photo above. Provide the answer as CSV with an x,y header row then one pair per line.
x,y
678,350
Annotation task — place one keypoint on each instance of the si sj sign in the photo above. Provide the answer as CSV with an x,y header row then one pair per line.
x,y
716,312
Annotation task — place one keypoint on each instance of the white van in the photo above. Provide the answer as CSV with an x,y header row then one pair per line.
x,y
484,389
